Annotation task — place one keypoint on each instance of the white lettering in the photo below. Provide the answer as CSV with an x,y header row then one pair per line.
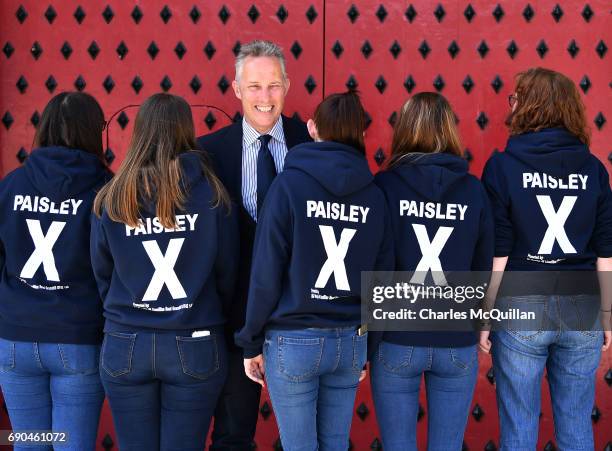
x,y
556,221
431,254
164,270
336,252
43,246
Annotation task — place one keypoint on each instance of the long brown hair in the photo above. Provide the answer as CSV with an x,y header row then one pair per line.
x,y
74,120
341,118
546,99
151,170
426,124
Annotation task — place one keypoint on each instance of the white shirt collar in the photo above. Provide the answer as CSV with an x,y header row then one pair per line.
x,y
250,135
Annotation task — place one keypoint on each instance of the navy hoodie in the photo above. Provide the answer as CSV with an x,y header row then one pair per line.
x,y
47,288
551,201
174,280
429,196
323,222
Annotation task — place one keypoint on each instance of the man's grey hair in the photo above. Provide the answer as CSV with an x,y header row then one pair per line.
x,y
259,48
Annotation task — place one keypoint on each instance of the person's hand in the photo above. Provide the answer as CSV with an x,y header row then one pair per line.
x,y
485,343
363,375
607,340
254,369
607,330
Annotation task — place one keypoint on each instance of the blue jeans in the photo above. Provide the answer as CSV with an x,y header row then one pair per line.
x,y
162,388
450,377
312,377
571,358
52,387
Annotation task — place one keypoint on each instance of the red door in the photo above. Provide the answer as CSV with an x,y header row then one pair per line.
x,y
122,51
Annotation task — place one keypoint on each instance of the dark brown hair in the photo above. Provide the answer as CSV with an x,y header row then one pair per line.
x,y
426,124
341,118
546,99
74,120
151,170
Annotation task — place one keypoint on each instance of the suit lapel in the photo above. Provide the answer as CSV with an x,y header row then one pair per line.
x,y
234,144
290,139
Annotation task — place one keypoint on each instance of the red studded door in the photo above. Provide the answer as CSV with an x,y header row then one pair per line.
x,y
123,51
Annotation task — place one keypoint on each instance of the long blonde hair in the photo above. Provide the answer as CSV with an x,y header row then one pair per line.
x,y
151,170
426,124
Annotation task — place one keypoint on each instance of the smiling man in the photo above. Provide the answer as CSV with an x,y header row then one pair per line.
x,y
247,155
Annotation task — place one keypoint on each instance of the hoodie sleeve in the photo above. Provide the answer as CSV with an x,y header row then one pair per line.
x,y
2,208
101,258
602,236
226,264
483,253
271,254
388,246
386,254
497,190
384,262
2,256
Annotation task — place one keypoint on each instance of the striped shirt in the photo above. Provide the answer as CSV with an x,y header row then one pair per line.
x,y
250,148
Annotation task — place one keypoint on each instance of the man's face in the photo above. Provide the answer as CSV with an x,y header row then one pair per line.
x,y
262,91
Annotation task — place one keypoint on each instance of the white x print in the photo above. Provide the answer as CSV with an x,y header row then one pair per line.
x,y
431,254
43,250
164,269
556,221
335,257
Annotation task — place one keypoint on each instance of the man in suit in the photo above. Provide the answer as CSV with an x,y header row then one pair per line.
x,y
247,155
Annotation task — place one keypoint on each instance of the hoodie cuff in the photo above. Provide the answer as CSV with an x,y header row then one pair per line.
x,y
249,353
604,253
502,250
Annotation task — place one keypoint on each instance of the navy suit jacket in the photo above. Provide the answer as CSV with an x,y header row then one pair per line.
x,y
224,148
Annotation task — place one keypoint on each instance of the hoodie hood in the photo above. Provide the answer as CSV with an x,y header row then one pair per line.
x,y
61,173
339,168
191,164
554,151
191,167
433,174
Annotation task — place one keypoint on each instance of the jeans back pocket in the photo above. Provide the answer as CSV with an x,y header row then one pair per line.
x,y
79,358
299,358
360,351
464,357
581,313
199,355
116,355
526,315
395,358
7,355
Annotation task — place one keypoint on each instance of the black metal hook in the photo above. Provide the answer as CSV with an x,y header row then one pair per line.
x,y
110,119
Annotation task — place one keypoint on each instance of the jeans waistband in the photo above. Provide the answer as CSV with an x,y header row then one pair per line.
x,y
112,326
314,331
